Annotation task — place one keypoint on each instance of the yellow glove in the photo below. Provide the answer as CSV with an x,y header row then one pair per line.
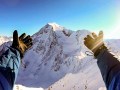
x,y
21,43
95,43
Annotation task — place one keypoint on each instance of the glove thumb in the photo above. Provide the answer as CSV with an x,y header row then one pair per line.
x,y
15,39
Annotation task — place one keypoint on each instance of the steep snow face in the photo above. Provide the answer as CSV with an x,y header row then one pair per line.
x,y
57,61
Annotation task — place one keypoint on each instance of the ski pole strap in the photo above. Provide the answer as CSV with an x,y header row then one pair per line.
x,y
88,53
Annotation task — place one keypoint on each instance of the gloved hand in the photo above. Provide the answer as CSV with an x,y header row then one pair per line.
x,y
95,43
21,43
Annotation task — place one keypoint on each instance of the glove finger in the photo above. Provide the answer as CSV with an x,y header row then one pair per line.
x,y
22,36
89,38
15,38
85,43
94,35
85,40
101,34
88,41
29,45
28,40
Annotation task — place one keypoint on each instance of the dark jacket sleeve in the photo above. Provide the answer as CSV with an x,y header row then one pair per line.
x,y
110,69
9,65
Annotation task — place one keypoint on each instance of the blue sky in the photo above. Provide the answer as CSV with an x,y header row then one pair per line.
x,y
30,15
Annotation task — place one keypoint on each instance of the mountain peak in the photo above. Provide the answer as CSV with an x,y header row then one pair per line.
x,y
53,24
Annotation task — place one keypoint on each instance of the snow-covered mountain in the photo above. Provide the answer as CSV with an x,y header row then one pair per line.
x,y
57,61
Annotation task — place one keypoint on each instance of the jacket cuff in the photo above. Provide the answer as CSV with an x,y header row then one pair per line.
x,y
15,50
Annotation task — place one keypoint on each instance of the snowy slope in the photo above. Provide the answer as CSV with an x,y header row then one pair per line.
x,y
57,61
